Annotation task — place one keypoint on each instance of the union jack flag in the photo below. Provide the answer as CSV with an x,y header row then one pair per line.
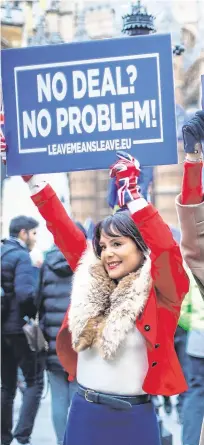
x,y
2,137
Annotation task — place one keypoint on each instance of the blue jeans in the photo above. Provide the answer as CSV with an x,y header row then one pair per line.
x,y
193,409
180,340
62,393
16,353
97,424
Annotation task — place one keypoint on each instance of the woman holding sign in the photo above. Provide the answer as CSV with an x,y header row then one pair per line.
x,y
190,208
117,337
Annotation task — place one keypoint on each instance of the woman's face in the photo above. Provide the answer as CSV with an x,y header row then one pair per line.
x,y
119,255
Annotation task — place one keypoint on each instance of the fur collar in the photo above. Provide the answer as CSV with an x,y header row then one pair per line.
x,y
94,295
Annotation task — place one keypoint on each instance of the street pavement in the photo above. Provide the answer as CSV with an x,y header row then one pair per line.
x,y
171,424
43,433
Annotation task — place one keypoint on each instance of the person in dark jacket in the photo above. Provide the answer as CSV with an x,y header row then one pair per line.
x,y
55,290
19,286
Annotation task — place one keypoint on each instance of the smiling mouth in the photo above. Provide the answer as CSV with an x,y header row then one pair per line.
x,y
113,265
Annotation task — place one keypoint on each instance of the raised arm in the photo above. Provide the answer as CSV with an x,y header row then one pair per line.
x,y
168,274
190,204
67,236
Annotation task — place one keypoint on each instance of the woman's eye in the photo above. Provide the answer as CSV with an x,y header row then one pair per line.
x,y
116,244
102,247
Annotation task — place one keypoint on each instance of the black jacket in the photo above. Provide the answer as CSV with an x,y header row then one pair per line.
x,y
55,289
19,286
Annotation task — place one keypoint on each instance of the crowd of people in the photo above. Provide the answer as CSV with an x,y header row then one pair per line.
x,y
46,286
122,316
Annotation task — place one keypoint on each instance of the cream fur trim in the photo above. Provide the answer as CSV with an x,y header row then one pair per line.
x,y
90,293
94,293
127,302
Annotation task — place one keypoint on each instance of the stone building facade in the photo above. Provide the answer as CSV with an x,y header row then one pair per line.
x,y
66,20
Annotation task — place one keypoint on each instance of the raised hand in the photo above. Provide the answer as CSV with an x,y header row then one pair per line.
x,y
126,172
26,178
193,133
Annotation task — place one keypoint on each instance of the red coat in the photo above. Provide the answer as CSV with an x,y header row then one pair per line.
x,y
159,319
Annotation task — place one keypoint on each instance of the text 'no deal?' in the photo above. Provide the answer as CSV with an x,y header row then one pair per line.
x,y
101,116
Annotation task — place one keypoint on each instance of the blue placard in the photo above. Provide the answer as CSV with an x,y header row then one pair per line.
x,y
70,107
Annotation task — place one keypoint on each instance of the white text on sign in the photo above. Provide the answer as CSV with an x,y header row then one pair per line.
x,y
101,117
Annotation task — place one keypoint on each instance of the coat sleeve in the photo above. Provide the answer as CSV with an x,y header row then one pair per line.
x,y
40,298
169,276
67,236
24,285
190,210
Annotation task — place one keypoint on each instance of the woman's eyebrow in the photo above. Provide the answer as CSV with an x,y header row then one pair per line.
x,y
116,236
112,238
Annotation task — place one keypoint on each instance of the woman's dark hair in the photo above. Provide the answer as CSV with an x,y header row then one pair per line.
x,y
119,224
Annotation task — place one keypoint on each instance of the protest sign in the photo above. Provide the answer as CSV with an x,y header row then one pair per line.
x,y
70,107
